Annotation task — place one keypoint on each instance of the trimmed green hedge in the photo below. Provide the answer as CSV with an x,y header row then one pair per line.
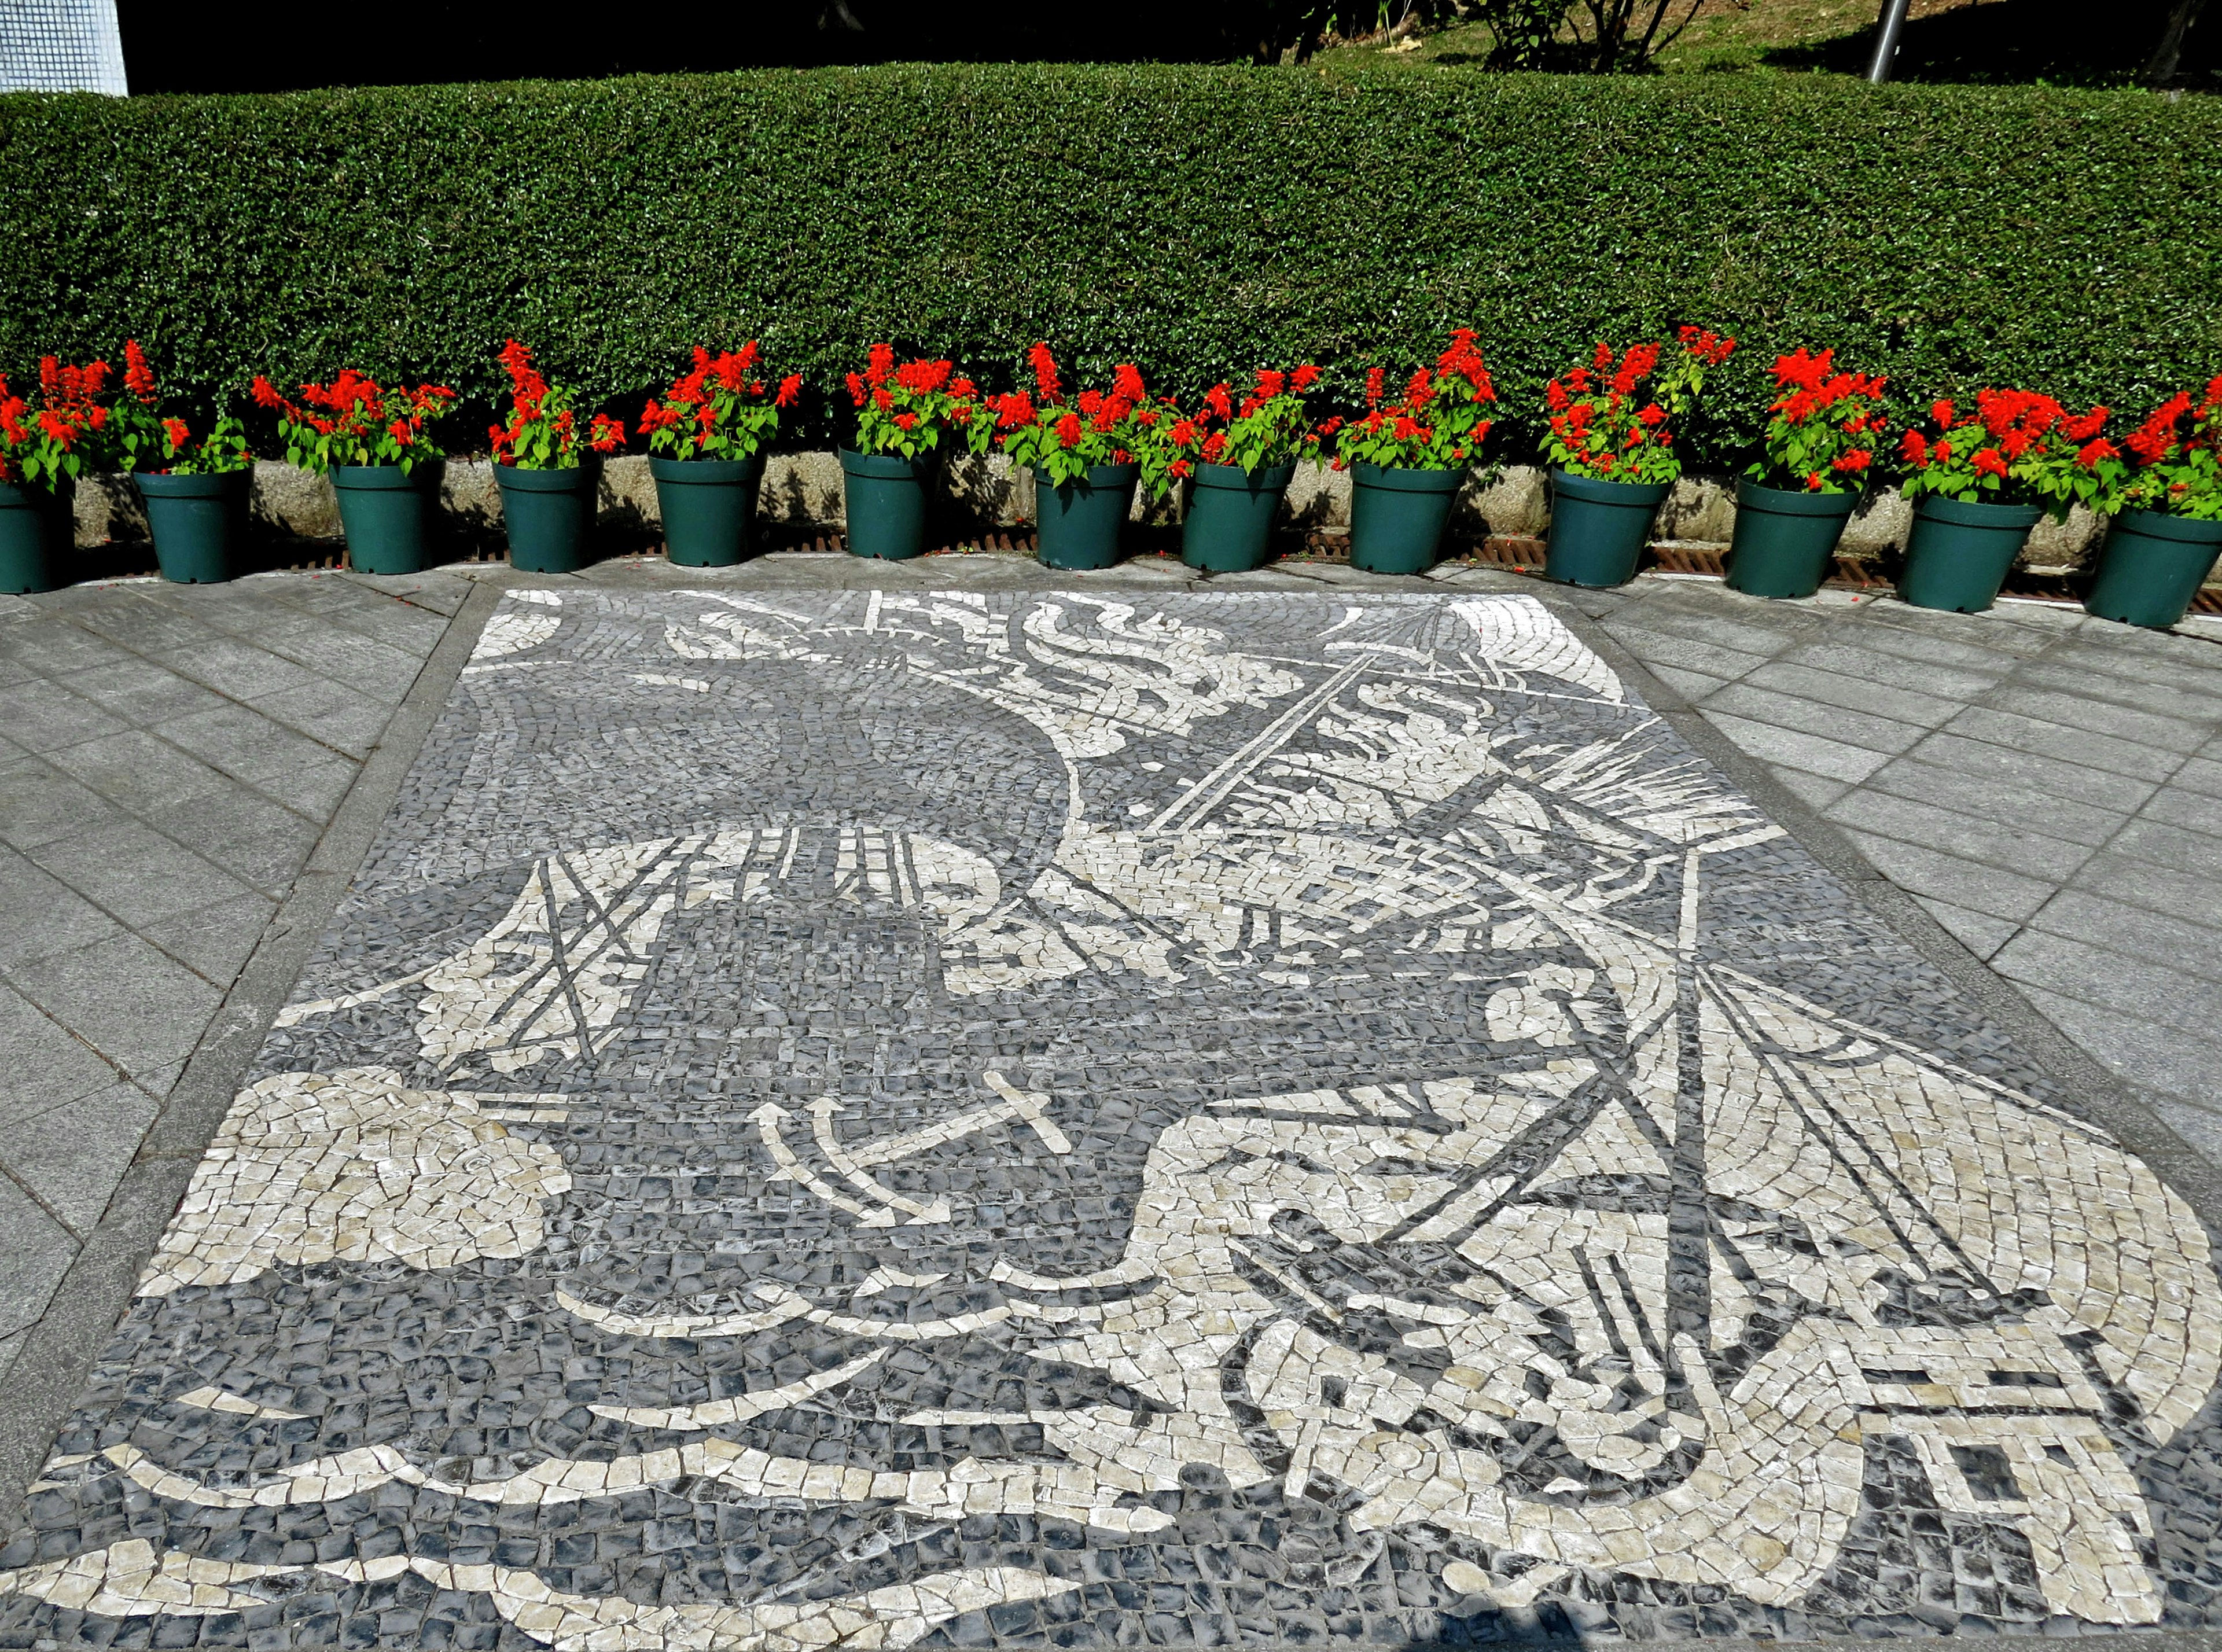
x,y
1200,220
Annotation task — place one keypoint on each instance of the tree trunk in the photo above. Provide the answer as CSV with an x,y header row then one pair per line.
x,y
2160,66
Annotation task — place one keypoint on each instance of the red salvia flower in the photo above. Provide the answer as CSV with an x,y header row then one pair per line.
x,y
138,376
1044,367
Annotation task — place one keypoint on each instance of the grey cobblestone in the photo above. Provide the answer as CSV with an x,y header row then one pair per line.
x,y
1789,748
1878,699
2153,990
2177,736
1928,872
2154,938
2157,843
1952,681
1979,932
1657,648
2178,805
2054,778
2192,894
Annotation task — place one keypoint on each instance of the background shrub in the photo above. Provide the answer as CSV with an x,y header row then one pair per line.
x,y
1200,220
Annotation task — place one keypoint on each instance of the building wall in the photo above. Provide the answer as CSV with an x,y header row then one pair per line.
x,y
61,46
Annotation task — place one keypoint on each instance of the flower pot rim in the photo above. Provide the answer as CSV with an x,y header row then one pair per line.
x,y
1206,474
1602,491
1408,479
883,464
391,477
2162,524
544,481
1794,502
205,484
1098,476
666,469
1979,513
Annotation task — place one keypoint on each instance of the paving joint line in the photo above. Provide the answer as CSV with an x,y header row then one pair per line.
x,y
15,985
282,584
9,977
362,584
36,1197
160,664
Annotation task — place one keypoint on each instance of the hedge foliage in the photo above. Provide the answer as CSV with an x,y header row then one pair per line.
x,y
1199,220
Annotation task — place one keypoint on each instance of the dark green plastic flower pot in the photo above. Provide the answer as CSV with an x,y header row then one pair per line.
x,y
550,515
1078,523
1785,540
198,523
1598,529
886,504
1959,555
708,507
1398,515
1230,516
383,514
38,531
2151,567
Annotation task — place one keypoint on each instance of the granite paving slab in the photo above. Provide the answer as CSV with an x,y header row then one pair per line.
x,y
155,816
893,1117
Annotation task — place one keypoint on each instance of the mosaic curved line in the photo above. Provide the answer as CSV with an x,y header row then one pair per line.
x,y
1624,1226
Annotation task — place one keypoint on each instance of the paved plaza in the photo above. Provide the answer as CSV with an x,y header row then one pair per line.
x,y
824,1104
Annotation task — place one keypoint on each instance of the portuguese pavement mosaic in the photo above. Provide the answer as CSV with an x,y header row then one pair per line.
x,y
878,1120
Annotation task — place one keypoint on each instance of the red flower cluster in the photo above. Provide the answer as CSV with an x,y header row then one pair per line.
x,y
1266,427
138,374
15,432
354,420
718,409
1824,426
143,438
2179,470
1595,423
1601,427
1065,436
2019,443
1706,349
70,410
903,410
1439,423
2156,439
542,432
44,447
2151,440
